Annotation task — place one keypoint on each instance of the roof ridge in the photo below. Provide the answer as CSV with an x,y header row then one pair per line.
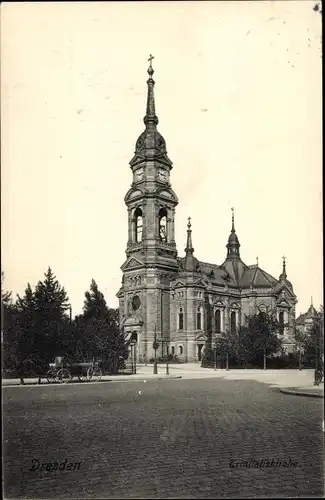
x,y
209,264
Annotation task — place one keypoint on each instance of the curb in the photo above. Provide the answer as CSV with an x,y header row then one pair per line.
x,y
297,392
144,379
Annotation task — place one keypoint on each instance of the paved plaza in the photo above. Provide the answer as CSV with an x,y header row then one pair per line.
x,y
178,438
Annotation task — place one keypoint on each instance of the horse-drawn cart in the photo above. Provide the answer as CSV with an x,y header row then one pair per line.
x,y
85,372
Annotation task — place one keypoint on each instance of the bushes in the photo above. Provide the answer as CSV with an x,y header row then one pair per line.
x,y
286,360
172,358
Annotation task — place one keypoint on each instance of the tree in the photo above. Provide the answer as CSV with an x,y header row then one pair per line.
x,y
312,342
50,318
95,304
258,338
97,333
6,299
8,338
227,347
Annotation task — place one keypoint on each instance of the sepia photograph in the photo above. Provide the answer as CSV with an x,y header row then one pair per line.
x,y
162,323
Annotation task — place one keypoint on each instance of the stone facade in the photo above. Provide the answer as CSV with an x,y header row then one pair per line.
x,y
181,299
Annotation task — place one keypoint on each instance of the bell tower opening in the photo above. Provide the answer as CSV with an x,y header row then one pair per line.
x,y
138,225
163,225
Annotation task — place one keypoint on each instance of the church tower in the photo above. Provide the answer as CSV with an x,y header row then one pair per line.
x,y
151,252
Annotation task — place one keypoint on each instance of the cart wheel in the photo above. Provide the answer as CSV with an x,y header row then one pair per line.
x,y
63,376
94,373
51,376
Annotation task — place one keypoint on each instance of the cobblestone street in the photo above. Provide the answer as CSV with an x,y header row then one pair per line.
x,y
161,439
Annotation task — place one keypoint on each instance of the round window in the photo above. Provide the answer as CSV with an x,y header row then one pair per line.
x,y
136,302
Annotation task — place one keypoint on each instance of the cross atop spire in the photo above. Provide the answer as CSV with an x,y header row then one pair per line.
x,y
150,117
151,57
189,225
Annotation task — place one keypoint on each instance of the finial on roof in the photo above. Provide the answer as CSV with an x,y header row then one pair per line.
x,y
257,261
189,246
283,275
150,69
311,301
151,111
232,220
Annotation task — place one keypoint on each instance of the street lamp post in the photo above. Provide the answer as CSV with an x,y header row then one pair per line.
x,y
131,345
155,368
317,381
167,352
300,364
264,359
227,361
215,352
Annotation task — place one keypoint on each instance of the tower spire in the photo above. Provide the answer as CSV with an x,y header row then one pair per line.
x,y
233,242
232,219
189,245
150,117
284,272
283,275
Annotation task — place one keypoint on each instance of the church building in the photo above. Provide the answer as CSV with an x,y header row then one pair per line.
x,y
181,301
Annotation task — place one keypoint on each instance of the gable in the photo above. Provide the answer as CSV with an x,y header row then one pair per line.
x,y
133,194
200,282
132,263
284,287
169,195
178,284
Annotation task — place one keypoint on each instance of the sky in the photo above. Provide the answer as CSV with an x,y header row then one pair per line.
x,y
238,96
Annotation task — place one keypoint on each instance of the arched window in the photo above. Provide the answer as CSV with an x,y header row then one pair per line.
x,y
163,225
138,225
218,321
281,321
199,318
233,322
181,319
180,349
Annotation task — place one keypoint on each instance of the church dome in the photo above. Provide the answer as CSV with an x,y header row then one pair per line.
x,y
233,239
150,141
190,264
288,283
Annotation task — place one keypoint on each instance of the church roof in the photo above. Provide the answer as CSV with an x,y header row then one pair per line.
x,y
235,268
311,313
301,319
216,274
256,277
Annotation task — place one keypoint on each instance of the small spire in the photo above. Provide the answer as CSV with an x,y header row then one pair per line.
x,y
257,261
189,246
311,302
283,275
233,242
232,220
284,272
150,117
